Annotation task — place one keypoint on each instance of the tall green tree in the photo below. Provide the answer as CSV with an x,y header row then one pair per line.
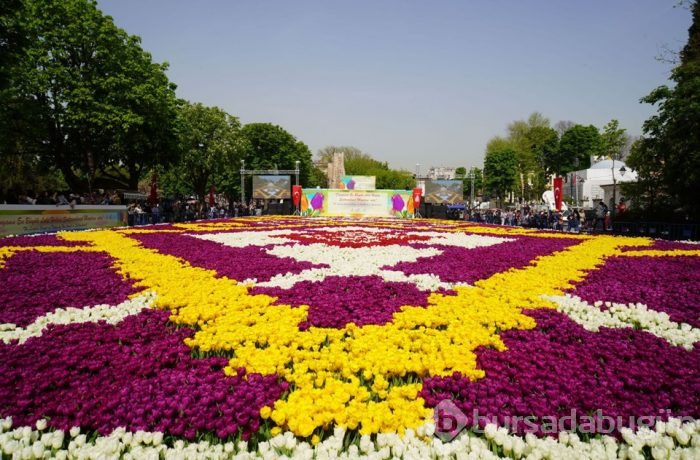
x,y
673,134
647,161
500,169
476,175
614,139
84,96
525,137
211,142
270,146
576,148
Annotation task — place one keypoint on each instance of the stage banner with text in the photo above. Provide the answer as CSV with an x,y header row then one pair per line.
x,y
27,219
357,203
358,182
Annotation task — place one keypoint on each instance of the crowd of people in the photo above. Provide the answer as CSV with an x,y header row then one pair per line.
x,y
173,210
572,220
100,197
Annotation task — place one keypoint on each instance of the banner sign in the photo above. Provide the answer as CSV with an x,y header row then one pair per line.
x,y
271,187
358,182
26,219
558,190
417,195
296,194
443,191
357,203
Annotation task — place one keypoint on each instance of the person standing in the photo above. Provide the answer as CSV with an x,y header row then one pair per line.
x,y
621,207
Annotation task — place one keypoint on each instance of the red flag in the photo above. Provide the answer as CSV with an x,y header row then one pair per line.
x,y
558,188
153,196
417,193
296,194
211,195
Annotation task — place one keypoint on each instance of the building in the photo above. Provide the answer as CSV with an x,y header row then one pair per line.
x,y
442,173
587,187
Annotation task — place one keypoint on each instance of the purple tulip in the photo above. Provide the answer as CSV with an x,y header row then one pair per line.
x,y
35,283
674,289
338,301
456,265
218,257
397,203
317,201
559,366
138,374
351,185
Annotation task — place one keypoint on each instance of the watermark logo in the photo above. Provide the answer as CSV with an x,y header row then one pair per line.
x,y
449,420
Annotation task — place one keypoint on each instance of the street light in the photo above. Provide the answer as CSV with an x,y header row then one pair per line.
x,y
296,171
243,182
579,180
623,170
471,181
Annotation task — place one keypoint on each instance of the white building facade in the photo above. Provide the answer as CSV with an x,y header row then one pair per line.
x,y
589,186
442,173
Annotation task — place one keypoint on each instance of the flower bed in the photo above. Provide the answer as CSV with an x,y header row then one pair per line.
x,y
332,337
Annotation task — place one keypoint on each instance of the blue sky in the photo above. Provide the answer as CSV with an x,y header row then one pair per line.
x,y
411,81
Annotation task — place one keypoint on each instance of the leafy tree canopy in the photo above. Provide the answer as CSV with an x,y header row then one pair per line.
x,y
672,136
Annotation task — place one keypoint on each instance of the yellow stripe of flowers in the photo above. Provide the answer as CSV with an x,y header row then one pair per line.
x,y
368,377
523,231
659,253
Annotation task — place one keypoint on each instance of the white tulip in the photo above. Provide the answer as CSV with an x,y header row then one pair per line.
x,y
659,453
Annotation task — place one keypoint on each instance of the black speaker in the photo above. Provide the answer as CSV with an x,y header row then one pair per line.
x,y
439,212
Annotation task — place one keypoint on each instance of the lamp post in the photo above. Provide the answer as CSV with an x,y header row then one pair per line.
x,y
243,182
471,181
579,180
296,172
623,170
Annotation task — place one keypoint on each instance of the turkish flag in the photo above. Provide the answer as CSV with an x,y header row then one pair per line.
x,y
296,194
211,195
417,193
153,197
558,190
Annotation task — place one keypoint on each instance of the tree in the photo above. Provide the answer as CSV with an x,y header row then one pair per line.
x,y
83,95
563,126
270,146
325,155
673,134
649,188
476,175
614,139
393,179
544,147
500,167
211,143
522,136
577,146
358,163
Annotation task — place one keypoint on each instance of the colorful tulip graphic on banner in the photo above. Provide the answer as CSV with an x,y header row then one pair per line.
x,y
317,201
397,203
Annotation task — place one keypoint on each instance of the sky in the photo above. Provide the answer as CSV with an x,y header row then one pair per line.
x,y
412,82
